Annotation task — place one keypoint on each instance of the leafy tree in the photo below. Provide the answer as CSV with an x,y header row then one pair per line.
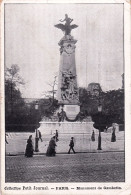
x,y
88,102
18,115
113,105
48,107
12,81
101,121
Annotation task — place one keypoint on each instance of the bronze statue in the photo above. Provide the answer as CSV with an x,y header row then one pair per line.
x,y
67,27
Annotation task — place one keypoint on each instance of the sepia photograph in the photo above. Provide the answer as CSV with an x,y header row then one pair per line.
x,y
64,97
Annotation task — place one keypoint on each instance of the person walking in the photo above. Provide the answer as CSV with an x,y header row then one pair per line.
x,y
51,148
56,136
71,146
29,147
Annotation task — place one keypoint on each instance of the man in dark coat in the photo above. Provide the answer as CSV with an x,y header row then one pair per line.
x,y
71,146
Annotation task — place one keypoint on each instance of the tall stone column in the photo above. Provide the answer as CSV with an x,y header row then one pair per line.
x,y
67,94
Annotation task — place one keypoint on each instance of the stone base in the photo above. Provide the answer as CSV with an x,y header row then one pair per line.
x,y
66,127
71,111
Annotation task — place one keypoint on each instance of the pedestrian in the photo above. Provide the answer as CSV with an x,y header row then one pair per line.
x,y
71,146
56,136
40,136
113,137
29,147
93,136
51,148
6,138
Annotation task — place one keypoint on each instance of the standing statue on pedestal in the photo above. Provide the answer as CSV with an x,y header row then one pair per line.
x,y
67,27
61,115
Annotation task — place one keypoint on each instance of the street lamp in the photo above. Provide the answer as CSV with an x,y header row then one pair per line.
x,y
99,136
36,135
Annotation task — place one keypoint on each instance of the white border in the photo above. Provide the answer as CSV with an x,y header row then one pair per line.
x,y
126,186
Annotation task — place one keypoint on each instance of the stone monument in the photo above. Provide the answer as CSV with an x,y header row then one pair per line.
x,y
68,98
67,94
69,121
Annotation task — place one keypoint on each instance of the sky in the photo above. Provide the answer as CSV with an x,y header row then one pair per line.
x,y
31,42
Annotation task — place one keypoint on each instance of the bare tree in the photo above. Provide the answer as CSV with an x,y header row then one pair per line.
x,y
51,94
53,91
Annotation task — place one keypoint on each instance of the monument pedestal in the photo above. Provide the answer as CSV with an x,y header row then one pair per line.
x,y
67,93
72,111
49,128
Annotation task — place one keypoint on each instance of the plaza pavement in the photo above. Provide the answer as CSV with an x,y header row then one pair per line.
x,y
17,142
79,167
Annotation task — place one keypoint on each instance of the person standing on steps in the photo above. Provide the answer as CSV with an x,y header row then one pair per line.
x,y
40,136
93,136
71,146
113,137
56,136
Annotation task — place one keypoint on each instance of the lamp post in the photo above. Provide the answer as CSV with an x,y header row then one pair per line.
x,y
99,136
36,136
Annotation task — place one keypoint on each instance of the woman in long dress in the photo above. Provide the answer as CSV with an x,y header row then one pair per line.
x,y
113,137
51,148
29,147
93,136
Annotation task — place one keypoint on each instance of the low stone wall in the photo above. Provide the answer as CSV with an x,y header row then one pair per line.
x,y
66,127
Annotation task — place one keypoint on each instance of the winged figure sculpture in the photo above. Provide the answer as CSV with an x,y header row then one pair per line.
x,y
67,27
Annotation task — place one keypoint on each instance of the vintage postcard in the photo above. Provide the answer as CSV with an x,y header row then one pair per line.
x,y
65,97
